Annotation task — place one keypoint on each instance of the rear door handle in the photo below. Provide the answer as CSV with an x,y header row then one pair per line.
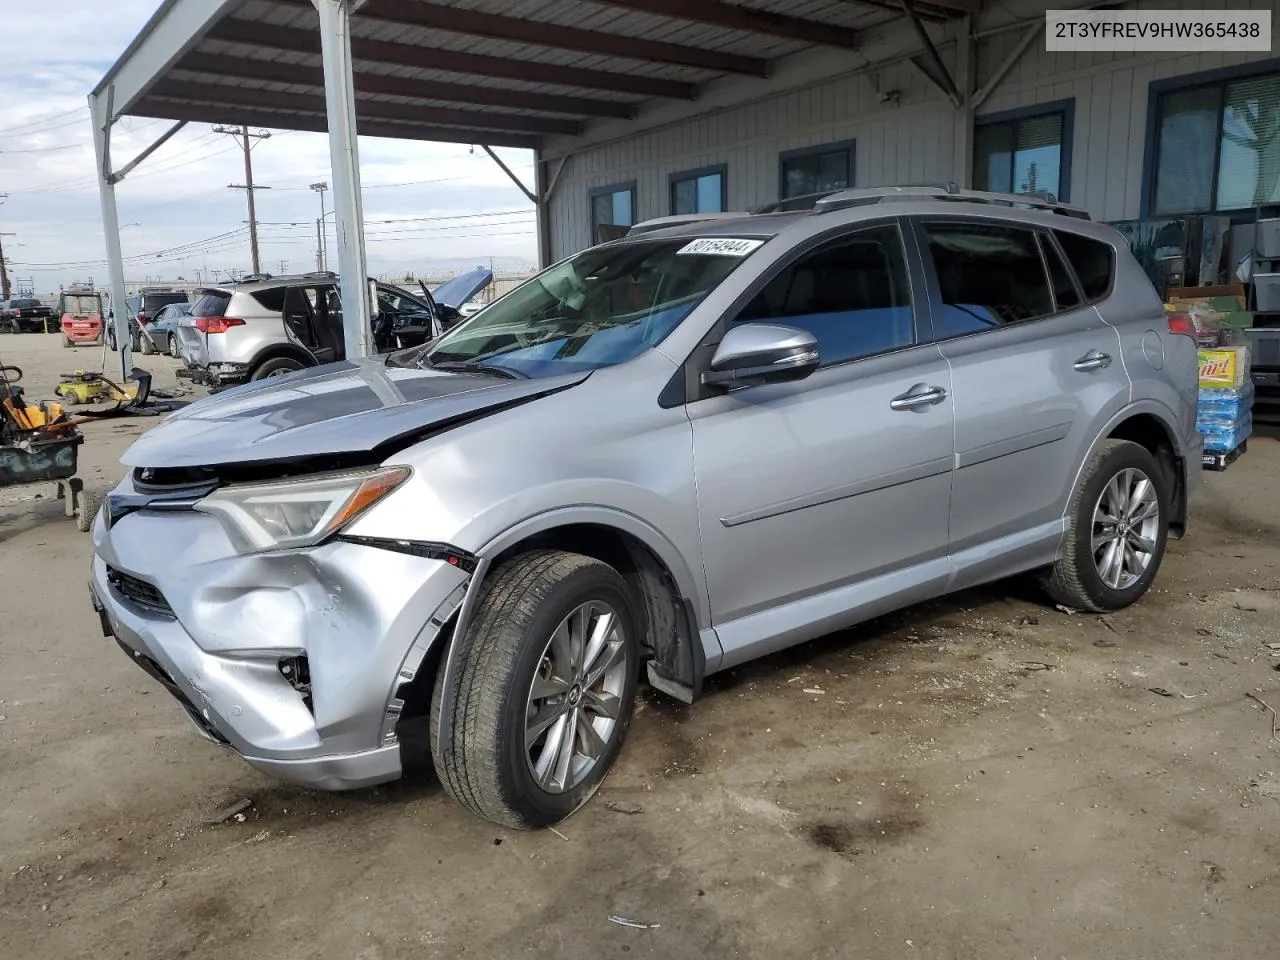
x,y
921,395
1093,360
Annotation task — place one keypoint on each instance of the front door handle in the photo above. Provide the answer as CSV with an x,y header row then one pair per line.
x,y
921,395
1093,360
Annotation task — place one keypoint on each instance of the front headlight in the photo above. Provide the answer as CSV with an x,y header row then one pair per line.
x,y
297,513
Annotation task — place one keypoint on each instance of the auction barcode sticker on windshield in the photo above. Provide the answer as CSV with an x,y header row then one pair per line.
x,y
721,246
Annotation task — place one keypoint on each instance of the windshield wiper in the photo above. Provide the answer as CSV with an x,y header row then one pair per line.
x,y
473,366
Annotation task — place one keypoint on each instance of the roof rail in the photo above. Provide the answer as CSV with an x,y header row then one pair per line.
x,y
676,220
945,191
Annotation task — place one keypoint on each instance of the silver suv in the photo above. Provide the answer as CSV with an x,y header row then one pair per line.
x,y
662,457
269,326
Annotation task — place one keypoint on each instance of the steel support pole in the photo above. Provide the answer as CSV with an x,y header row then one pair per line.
x,y
344,162
100,114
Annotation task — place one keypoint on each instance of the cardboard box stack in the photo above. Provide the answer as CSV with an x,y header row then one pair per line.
x,y
1224,415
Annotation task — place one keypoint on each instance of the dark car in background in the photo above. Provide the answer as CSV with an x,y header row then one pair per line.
x,y
142,308
162,331
25,315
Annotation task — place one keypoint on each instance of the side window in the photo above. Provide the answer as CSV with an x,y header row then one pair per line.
x,y
851,293
1093,261
989,275
271,299
1064,288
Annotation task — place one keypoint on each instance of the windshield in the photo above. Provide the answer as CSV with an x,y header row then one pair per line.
x,y
605,306
81,304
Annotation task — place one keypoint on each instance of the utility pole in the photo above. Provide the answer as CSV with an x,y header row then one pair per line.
x,y
245,138
320,188
4,271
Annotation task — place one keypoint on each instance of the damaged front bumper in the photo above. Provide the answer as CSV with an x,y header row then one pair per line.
x,y
294,659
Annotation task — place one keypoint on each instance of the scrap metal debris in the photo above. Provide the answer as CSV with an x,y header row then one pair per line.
x,y
1160,691
1269,707
634,924
236,810
623,808
558,834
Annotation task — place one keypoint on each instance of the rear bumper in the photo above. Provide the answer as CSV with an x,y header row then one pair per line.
x,y
219,374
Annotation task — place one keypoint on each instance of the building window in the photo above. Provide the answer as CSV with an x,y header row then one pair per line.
x,y
816,169
1025,151
1217,145
612,206
700,191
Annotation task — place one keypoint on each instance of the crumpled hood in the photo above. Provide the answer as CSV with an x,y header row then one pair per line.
x,y
339,408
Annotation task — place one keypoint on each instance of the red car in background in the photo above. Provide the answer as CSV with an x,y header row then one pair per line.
x,y
80,314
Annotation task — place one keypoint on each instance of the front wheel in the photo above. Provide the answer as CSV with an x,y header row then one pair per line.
x,y
1117,529
173,347
546,683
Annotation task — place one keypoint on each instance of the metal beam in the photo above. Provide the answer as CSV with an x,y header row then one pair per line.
x,y
745,19
926,12
495,27
317,123
173,30
969,8
101,109
1008,64
930,63
160,141
533,197
344,163
274,37
277,71
260,98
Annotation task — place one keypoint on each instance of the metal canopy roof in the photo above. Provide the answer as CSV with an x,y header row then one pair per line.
x,y
499,72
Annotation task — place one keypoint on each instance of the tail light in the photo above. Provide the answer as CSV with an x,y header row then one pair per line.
x,y
217,324
1181,324
142,319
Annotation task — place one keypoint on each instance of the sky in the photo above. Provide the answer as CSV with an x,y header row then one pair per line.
x,y
428,207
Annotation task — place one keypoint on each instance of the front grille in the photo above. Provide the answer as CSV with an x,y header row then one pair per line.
x,y
139,593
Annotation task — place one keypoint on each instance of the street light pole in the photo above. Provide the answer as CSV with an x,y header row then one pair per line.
x,y
320,188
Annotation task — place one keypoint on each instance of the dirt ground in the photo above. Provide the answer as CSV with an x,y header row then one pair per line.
x,y
983,777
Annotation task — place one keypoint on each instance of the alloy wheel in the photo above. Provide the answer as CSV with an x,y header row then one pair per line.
x,y
575,698
1126,528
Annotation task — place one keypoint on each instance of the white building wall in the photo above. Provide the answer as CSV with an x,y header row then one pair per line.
x,y
911,140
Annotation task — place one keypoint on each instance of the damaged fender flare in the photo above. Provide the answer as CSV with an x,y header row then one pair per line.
x,y
693,657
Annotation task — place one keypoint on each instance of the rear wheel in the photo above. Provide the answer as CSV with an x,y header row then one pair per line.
x,y
1117,530
173,347
275,367
146,346
546,682
111,338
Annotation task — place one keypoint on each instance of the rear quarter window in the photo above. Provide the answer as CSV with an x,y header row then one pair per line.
x,y
211,305
1093,261
271,299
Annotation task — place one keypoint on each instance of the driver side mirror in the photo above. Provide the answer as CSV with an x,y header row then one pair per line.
x,y
759,353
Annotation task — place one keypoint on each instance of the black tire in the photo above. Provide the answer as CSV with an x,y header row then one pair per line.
x,y
135,342
1074,580
275,367
174,351
111,339
484,763
145,346
15,326
69,399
